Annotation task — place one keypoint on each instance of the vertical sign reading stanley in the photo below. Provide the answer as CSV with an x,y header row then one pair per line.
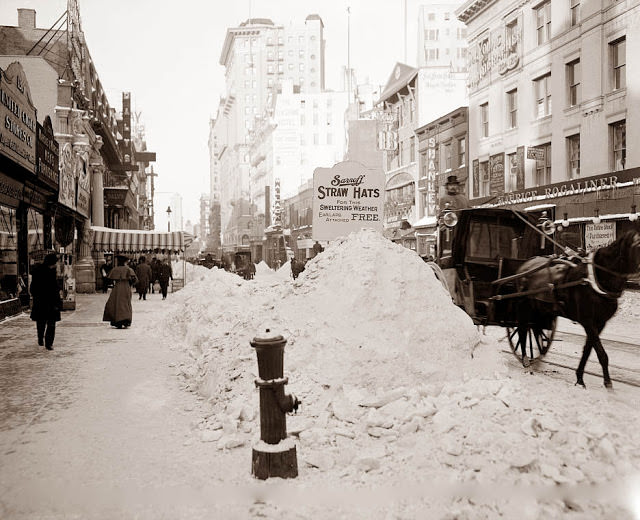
x,y
346,198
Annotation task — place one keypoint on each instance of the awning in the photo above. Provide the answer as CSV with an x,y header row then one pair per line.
x,y
139,241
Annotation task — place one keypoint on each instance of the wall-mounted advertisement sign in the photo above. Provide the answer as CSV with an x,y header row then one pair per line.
x,y
67,191
535,152
17,118
347,198
494,53
496,174
475,168
47,151
599,235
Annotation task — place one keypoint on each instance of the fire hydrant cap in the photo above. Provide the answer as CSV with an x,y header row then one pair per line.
x,y
267,337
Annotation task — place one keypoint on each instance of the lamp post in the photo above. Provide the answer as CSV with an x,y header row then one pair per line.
x,y
169,219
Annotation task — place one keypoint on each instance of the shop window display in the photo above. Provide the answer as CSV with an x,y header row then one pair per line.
x,y
10,287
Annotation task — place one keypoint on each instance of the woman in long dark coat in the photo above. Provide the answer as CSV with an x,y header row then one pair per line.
x,y
46,300
118,310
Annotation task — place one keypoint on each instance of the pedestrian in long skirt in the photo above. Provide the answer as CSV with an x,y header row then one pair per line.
x,y
118,310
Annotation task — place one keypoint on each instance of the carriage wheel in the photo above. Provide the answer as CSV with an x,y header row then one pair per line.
x,y
536,343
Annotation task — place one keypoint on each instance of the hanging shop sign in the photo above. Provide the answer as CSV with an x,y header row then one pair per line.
x,y
82,178
47,153
535,152
17,118
599,235
346,198
431,176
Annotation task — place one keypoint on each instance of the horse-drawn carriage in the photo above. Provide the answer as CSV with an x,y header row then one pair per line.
x,y
503,267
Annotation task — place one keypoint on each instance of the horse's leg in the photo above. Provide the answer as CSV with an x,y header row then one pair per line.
x,y
586,350
604,361
523,321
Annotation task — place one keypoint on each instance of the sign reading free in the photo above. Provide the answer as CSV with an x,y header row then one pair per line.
x,y
346,198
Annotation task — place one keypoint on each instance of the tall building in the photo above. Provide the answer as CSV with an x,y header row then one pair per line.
x,y
258,56
442,38
553,97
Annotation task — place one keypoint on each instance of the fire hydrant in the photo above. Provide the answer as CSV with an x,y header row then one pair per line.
x,y
274,455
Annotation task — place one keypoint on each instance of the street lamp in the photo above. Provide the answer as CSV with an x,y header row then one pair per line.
x,y
169,219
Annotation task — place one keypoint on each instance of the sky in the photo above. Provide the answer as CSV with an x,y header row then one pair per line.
x,y
166,53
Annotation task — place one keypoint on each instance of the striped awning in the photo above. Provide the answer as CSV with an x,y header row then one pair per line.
x,y
139,241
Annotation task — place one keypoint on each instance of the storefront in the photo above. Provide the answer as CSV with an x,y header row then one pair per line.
x,y
28,186
588,213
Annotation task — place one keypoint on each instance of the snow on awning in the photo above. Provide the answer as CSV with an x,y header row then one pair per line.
x,y
426,221
139,241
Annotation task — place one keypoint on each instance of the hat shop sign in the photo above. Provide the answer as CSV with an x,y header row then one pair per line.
x,y
346,198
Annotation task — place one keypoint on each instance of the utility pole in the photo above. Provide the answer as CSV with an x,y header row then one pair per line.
x,y
349,53
405,31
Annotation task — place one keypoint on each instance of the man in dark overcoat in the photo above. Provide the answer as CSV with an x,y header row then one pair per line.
x,y
144,274
46,300
155,272
165,274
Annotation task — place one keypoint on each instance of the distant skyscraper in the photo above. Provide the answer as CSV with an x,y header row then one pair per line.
x,y
442,38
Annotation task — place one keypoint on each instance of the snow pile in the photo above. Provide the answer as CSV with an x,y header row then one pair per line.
x,y
194,271
381,360
263,268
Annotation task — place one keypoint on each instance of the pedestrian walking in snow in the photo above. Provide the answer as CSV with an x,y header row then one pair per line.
x,y
155,272
165,274
46,300
144,274
118,310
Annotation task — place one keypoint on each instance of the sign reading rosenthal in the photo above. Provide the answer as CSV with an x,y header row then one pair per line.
x,y
18,115
346,198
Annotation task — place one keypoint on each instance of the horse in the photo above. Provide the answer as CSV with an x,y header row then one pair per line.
x,y
582,289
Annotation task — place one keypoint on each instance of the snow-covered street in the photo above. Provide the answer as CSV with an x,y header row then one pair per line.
x,y
407,410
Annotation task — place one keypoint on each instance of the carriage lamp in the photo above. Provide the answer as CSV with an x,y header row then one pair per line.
x,y
633,216
450,218
596,219
565,220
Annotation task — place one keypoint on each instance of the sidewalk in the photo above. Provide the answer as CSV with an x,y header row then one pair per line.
x,y
100,427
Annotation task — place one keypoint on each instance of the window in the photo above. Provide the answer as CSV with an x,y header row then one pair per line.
x,y
447,156
431,34
573,82
462,151
433,54
461,33
316,139
543,95
315,118
512,36
543,23
618,133
484,120
618,62
431,17
573,154
301,67
512,104
329,138
543,166
575,12
447,16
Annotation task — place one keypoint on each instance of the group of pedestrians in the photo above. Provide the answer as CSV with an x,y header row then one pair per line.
x,y
47,301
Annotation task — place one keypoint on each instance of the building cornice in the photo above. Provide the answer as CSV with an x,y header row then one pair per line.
x,y
472,8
